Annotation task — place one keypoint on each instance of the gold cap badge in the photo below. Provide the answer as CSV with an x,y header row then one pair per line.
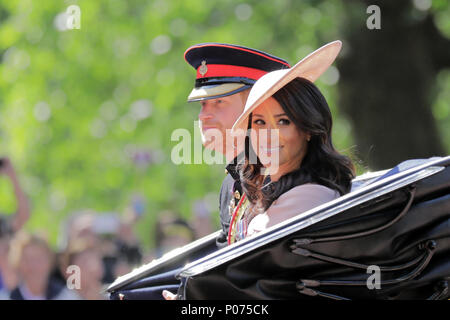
x,y
203,68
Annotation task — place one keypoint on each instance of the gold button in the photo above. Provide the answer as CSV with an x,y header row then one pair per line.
x,y
237,195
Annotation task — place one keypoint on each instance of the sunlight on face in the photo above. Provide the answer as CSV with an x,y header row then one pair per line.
x,y
289,142
216,118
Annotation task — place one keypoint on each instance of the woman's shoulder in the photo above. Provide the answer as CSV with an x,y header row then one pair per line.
x,y
299,199
311,189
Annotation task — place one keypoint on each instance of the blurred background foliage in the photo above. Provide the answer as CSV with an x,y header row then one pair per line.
x,y
86,115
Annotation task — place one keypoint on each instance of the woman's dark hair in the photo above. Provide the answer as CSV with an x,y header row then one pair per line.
x,y
307,108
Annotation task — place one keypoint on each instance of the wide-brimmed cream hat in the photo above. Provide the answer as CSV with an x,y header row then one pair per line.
x,y
310,67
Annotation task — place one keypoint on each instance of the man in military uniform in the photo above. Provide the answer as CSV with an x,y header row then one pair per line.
x,y
225,75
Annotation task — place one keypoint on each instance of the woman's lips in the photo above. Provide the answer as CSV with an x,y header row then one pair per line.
x,y
269,151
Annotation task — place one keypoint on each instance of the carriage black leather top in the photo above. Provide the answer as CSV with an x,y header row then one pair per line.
x,y
398,220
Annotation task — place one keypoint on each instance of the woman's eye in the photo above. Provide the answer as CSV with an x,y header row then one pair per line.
x,y
259,122
284,122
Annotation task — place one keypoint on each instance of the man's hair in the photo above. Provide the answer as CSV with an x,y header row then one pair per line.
x,y
22,240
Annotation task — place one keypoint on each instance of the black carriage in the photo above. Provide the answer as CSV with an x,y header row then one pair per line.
x,y
389,238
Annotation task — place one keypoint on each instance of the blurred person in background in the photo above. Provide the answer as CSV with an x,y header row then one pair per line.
x,y
76,228
8,226
114,238
128,245
88,226
23,209
81,226
129,253
89,261
33,260
118,244
201,222
171,232
8,278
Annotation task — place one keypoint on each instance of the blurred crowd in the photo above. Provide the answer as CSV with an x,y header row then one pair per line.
x,y
94,248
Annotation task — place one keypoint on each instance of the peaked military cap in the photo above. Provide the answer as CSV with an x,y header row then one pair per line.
x,y
225,69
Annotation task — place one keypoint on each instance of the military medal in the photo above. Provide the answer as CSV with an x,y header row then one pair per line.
x,y
238,225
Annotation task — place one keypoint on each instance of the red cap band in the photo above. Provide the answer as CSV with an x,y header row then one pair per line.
x,y
221,70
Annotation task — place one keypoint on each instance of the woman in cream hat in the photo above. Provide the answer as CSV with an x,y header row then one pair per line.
x,y
309,171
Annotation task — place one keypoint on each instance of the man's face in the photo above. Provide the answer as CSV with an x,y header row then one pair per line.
x,y
217,116
35,262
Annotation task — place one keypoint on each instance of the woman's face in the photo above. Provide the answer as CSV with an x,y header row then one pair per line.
x,y
91,267
282,139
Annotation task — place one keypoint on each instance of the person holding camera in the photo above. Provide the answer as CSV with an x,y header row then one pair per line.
x,y
23,209
9,226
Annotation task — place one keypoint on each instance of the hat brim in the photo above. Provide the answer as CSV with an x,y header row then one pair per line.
x,y
310,67
216,91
